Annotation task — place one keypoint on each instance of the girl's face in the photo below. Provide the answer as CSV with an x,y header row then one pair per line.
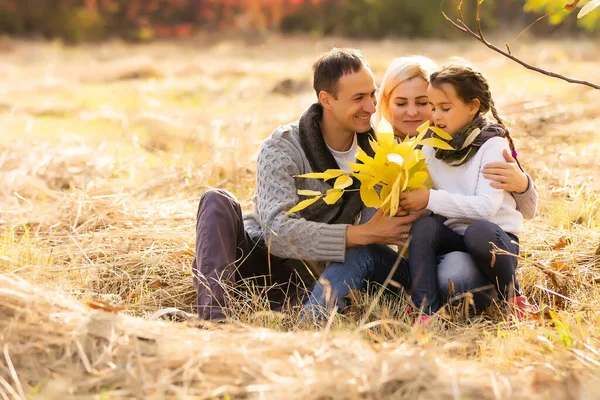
x,y
449,112
409,106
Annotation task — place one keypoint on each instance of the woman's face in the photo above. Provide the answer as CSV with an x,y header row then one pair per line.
x,y
409,106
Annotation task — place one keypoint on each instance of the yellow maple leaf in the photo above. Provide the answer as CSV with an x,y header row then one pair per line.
x,y
333,195
309,193
441,133
435,142
326,175
369,196
303,204
343,182
417,180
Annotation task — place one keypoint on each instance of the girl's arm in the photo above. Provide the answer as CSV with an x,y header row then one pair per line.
x,y
487,200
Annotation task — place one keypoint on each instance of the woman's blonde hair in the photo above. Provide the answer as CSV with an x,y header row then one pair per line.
x,y
400,70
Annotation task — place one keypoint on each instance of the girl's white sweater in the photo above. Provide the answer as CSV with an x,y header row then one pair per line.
x,y
464,196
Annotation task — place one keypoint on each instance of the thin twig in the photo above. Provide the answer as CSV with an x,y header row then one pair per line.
x,y
81,249
557,294
13,372
524,30
9,389
461,26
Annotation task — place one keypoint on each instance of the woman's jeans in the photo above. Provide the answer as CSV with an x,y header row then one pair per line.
x,y
458,274
431,239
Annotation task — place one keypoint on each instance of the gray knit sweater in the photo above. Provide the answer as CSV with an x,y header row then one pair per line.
x,y
311,234
318,232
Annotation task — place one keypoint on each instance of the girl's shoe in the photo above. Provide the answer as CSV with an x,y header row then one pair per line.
x,y
521,308
417,319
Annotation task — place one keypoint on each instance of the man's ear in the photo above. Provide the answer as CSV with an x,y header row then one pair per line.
x,y
474,107
325,99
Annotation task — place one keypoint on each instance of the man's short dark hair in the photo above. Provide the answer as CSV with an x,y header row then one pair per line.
x,y
333,65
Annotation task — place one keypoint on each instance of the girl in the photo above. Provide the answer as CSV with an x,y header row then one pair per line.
x,y
476,216
403,101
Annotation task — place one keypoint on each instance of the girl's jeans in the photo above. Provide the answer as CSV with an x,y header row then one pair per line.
x,y
431,239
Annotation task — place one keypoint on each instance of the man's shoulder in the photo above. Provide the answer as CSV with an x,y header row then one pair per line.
x,y
284,138
286,132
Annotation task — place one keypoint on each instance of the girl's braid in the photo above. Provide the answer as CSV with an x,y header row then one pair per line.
x,y
510,140
492,107
471,84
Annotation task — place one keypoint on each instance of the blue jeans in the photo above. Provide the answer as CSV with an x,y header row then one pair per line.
x,y
431,238
362,263
460,268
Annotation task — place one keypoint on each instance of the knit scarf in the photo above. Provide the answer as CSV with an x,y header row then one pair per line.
x,y
321,159
468,140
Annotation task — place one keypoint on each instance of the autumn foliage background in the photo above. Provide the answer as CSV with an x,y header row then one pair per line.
x,y
143,20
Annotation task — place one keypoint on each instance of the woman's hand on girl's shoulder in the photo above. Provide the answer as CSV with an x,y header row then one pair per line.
x,y
506,175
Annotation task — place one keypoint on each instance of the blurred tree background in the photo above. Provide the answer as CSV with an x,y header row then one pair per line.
x,y
86,20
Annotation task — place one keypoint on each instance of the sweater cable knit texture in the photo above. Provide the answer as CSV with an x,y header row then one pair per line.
x,y
316,233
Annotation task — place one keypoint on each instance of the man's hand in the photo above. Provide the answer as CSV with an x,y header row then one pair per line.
x,y
381,229
506,175
414,200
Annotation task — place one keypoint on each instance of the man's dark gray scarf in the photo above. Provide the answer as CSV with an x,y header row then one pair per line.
x,y
468,140
321,159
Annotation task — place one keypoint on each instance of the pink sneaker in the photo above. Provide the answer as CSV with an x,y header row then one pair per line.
x,y
521,308
421,319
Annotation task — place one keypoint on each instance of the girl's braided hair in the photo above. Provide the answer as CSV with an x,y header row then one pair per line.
x,y
470,85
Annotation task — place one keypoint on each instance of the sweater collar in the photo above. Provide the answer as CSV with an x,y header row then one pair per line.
x,y
321,159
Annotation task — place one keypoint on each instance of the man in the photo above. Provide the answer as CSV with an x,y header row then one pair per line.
x,y
274,250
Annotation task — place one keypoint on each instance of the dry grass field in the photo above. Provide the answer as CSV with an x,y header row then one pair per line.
x,y
104,152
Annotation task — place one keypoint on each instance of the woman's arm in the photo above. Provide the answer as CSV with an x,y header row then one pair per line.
x,y
508,176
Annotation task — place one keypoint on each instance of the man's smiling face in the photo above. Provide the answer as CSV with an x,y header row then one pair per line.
x,y
355,101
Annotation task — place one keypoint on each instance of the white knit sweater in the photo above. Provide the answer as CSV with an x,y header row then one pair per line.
x,y
463,195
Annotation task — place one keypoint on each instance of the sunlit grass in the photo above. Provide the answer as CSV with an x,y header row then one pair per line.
x,y
99,183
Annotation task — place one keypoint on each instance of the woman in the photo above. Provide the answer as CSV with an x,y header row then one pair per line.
x,y
403,102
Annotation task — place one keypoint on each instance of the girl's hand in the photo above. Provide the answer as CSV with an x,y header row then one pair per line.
x,y
414,200
507,176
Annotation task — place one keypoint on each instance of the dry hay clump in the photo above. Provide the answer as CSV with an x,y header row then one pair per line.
x,y
144,272
111,248
561,269
36,172
124,69
54,346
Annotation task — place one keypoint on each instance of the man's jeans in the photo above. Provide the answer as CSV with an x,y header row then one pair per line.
x,y
371,263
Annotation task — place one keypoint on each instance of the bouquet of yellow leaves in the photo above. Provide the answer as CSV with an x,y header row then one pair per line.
x,y
395,167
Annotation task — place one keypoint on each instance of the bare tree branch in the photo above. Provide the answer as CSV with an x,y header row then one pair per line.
x,y
462,26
